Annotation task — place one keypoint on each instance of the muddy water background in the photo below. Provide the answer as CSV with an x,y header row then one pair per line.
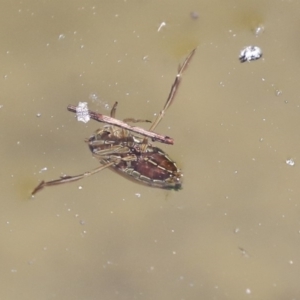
x,y
232,232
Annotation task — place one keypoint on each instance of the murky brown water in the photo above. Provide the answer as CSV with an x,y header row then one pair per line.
x,y
232,232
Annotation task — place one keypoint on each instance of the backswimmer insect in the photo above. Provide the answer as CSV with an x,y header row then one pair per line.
x,y
126,149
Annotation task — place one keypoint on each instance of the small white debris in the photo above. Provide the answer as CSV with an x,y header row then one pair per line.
x,y
244,253
162,24
259,30
290,162
250,53
82,112
61,36
43,170
94,97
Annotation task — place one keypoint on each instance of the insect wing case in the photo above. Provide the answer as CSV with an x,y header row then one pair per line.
x,y
152,167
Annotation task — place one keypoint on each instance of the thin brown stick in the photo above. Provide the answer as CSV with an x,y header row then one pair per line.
x,y
133,120
115,122
67,179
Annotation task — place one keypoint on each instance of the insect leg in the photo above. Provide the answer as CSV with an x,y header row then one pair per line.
x,y
171,96
173,90
113,110
126,133
67,179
